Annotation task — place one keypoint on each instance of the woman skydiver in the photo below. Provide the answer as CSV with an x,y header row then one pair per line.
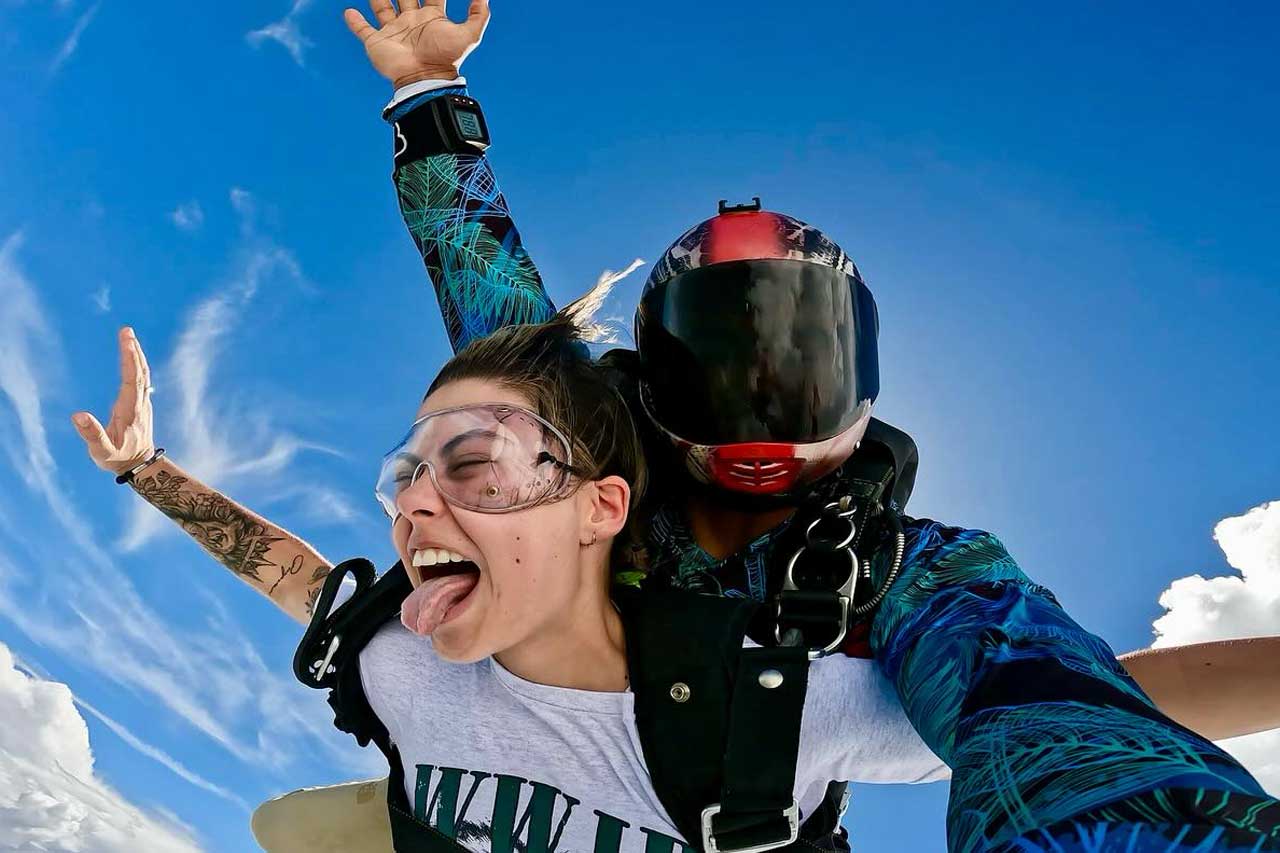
x,y
507,672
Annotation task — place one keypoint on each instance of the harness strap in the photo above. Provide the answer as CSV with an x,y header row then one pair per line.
x,y
682,653
329,658
757,809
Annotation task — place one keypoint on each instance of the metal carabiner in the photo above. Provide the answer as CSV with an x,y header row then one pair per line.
x,y
833,511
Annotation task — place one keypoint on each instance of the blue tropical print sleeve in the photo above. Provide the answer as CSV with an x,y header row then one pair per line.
x,y
459,220
1053,747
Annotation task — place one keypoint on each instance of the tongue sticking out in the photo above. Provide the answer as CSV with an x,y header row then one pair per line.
x,y
429,604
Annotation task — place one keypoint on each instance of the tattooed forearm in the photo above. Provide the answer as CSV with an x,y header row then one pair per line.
x,y
219,526
292,569
269,558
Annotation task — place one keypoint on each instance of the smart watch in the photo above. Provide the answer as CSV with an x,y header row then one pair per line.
x,y
448,124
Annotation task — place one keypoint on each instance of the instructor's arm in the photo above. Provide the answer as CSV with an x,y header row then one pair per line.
x,y
268,558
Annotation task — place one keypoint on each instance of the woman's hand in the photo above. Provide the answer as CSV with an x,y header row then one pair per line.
x,y
418,42
126,441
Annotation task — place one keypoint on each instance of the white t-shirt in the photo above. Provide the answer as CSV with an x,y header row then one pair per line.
x,y
505,765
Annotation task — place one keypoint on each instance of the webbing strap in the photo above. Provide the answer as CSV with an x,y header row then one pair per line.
x,y
757,809
329,658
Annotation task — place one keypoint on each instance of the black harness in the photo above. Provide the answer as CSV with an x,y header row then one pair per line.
x,y
719,724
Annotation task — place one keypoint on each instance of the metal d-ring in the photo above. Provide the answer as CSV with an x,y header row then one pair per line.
x,y
841,513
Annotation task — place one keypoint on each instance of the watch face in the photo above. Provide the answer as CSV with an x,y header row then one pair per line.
x,y
469,125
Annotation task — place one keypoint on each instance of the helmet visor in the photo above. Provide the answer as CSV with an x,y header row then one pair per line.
x,y
758,351
488,458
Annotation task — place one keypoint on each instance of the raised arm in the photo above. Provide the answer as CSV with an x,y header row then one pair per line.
x,y
1049,740
458,218
267,557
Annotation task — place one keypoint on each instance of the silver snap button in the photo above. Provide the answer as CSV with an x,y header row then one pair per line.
x,y
680,692
770,679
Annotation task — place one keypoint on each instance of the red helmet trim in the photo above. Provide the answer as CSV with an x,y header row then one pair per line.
x,y
758,468
743,237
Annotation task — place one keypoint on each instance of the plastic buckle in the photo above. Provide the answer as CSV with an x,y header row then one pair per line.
x,y
323,666
709,844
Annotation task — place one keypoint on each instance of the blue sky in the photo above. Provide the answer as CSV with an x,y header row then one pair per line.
x,y
1067,216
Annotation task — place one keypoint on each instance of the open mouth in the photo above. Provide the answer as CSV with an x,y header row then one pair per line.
x,y
439,563
446,580
442,571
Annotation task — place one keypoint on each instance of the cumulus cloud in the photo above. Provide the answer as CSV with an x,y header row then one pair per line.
x,y
1246,604
286,32
72,42
50,797
1235,606
188,216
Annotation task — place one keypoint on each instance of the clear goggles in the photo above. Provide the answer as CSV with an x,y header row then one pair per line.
x,y
490,457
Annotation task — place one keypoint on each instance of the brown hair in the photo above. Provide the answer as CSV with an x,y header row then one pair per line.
x,y
550,365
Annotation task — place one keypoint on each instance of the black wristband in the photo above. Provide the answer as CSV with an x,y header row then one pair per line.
x,y
127,476
448,124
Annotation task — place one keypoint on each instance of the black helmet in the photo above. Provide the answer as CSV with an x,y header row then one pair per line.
x,y
757,343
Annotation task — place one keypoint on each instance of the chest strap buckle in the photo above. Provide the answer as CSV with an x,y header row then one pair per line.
x,y
713,844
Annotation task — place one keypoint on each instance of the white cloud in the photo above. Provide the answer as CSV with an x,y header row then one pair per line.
x,y
29,352
320,504
1223,608
50,797
1202,609
102,299
72,41
188,216
286,32
1260,755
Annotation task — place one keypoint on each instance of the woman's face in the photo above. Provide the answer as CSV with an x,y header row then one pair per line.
x,y
485,582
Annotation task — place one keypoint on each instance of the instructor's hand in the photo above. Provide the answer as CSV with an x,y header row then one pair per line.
x,y
418,42
127,440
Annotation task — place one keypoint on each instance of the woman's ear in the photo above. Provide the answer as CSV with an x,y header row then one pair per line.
x,y
606,511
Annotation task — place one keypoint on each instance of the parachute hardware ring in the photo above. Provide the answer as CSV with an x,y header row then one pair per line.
x,y
842,510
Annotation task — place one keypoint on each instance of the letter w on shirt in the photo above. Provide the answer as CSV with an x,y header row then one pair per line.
x,y
437,792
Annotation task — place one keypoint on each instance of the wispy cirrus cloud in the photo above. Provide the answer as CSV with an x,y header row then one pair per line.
x,y
29,355
220,442
1235,606
188,216
72,41
205,673
286,32
50,795
102,299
